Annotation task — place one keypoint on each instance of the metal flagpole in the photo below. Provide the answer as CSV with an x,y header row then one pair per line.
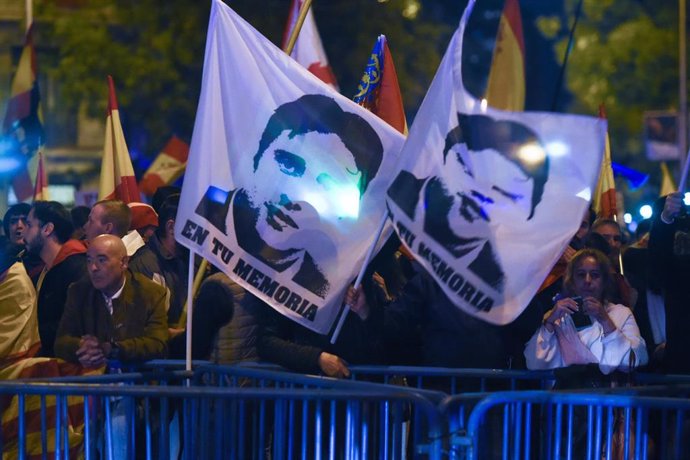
x,y
190,307
682,94
358,281
298,26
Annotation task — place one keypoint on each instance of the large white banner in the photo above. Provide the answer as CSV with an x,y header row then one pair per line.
x,y
486,199
286,180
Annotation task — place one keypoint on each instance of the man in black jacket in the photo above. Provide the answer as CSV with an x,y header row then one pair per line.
x,y
47,234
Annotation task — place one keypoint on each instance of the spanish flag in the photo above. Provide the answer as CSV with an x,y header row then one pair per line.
x,y
117,174
22,125
168,166
604,199
42,443
506,87
41,183
668,185
308,49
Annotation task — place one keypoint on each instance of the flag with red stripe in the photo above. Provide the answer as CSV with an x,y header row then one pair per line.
x,y
22,127
308,49
168,166
117,174
604,200
506,87
41,184
379,91
41,369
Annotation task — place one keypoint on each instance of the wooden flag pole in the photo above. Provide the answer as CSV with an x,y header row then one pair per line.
x,y
181,323
289,46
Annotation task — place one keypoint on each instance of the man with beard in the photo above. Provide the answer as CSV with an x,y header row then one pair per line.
x,y
47,234
14,224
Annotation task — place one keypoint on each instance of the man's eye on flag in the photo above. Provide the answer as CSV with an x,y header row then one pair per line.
x,y
286,179
22,128
308,49
487,200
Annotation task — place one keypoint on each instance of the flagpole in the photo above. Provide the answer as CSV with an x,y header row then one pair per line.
x,y
682,91
298,26
684,177
190,307
358,281
29,13
561,74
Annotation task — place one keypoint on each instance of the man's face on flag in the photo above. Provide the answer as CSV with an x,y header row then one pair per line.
x,y
488,187
301,183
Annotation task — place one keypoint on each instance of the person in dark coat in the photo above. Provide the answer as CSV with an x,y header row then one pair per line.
x,y
47,233
669,256
114,313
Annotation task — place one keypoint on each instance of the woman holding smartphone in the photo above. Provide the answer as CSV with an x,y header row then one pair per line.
x,y
583,327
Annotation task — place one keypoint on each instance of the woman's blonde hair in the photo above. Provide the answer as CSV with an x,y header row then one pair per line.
x,y
604,267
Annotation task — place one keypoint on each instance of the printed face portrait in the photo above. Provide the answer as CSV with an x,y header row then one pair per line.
x,y
495,171
318,180
313,164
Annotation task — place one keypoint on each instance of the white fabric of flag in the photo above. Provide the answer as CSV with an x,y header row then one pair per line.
x,y
286,179
487,200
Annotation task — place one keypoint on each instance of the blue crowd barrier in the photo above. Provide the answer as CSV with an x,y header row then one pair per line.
x,y
312,418
555,425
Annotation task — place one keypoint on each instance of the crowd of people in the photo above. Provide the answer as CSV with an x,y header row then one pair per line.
x,y
109,284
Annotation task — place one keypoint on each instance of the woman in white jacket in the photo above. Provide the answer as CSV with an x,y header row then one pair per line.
x,y
608,333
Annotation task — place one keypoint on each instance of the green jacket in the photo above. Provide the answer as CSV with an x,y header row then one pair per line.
x,y
138,324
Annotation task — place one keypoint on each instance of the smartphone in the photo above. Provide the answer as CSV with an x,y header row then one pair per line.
x,y
579,317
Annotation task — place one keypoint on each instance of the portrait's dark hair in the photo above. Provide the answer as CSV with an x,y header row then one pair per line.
x,y
80,215
604,267
19,209
55,213
167,211
321,114
480,132
116,212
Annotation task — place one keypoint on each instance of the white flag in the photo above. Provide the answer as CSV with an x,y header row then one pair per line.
x,y
487,200
286,179
308,49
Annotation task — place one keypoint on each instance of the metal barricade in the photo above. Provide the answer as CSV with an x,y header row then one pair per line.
x,y
555,425
219,422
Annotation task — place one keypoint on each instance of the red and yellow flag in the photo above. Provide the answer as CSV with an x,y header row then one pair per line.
x,y
604,199
668,185
506,87
43,369
379,91
41,183
308,49
167,167
22,125
117,174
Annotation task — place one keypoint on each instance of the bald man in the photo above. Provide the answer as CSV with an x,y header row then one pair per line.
x,y
114,314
